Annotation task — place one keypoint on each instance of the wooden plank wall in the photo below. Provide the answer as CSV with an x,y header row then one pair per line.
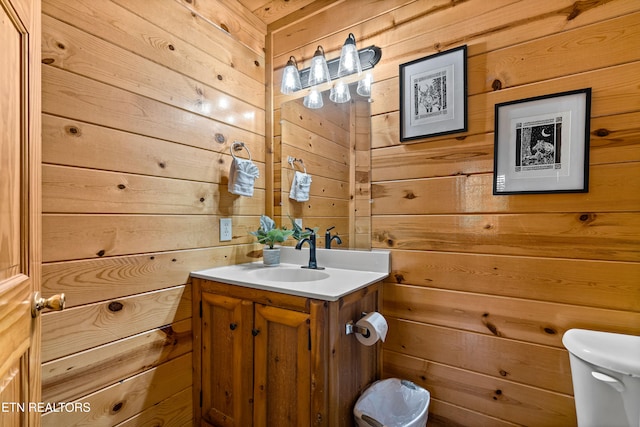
x,y
141,101
483,287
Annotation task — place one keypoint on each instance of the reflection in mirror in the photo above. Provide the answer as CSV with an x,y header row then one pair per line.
x,y
333,143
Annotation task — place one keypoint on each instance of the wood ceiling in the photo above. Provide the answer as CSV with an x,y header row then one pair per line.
x,y
276,13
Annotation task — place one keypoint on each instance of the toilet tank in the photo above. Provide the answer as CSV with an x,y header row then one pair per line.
x,y
605,368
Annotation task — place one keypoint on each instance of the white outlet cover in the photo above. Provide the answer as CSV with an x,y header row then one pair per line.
x,y
226,229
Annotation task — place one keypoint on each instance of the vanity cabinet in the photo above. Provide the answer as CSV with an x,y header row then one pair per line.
x,y
266,358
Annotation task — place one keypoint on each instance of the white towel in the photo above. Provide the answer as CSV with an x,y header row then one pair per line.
x,y
300,187
242,176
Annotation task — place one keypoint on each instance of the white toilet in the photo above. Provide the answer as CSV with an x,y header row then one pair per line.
x,y
606,377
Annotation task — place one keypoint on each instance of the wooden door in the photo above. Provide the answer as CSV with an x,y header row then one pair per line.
x,y
282,368
19,210
227,360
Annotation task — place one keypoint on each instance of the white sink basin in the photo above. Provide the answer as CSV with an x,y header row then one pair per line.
x,y
345,271
289,274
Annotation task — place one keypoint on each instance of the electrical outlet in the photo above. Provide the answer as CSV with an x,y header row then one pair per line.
x,y
226,230
299,222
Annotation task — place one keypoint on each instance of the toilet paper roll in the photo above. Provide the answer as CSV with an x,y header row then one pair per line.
x,y
377,326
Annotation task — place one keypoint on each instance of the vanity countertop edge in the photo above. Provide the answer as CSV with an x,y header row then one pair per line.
x,y
365,268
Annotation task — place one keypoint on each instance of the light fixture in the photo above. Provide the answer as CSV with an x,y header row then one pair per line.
x,y
369,57
313,100
319,70
364,85
340,93
290,77
349,58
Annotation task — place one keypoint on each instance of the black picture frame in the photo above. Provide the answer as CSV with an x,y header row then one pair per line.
x,y
433,95
541,144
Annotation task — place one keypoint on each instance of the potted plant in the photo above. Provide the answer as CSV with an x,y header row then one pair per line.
x,y
268,234
298,232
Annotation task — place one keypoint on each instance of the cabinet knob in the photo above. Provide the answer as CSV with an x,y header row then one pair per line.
x,y
255,332
233,326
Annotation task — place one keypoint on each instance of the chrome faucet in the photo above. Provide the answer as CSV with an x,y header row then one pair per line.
x,y
328,238
313,264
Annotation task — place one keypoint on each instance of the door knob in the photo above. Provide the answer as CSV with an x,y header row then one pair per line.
x,y
39,303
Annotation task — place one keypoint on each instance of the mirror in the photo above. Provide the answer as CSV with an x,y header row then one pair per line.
x,y
333,145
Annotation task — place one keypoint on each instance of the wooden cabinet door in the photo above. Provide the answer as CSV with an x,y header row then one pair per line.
x,y
227,360
20,250
282,368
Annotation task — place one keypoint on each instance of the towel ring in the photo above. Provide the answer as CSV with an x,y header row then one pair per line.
x,y
292,160
235,146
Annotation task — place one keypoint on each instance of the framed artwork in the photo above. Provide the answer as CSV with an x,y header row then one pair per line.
x,y
433,95
542,144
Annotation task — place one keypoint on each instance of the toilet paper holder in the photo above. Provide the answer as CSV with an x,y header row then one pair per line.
x,y
352,328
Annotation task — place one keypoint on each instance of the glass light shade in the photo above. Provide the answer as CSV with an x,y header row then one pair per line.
x,y
319,71
313,100
364,85
290,78
340,93
349,58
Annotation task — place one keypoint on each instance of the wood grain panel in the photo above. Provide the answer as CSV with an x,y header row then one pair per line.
x,y
233,18
331,123
127,398
489,27
317,163
306,139
67,237
592,283
179,19
122,28
425,27
71,377
613,139
518,319
445,414
176,410
473,194
84,190
104,148
76,51
83,99
284,41
316,207
144,99
69,190
486,395
609,96
273,10
601,236
321,186
596,46
528,263
494,356
92,280
112,320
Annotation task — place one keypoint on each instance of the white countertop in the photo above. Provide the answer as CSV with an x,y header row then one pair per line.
x,y
329,284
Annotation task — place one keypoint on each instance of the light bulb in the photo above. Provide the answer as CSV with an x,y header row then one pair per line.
x,y
313,100
290,78
319,71
340,93
364,85
349,58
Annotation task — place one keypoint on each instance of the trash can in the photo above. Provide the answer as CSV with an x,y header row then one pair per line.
x,y
392,403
